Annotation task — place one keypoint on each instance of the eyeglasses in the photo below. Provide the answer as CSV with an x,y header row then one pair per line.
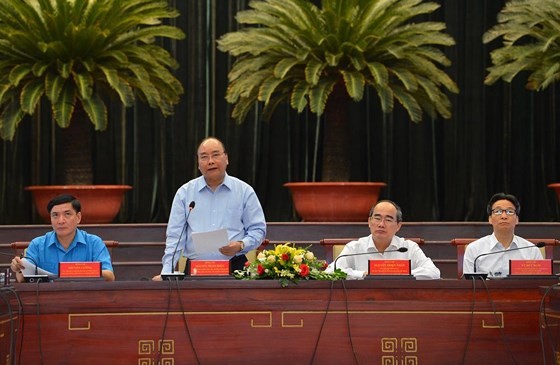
x,y
501,211
213,156
379,219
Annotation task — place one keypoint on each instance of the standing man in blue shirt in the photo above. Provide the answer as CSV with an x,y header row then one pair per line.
x,y
222,201
66,243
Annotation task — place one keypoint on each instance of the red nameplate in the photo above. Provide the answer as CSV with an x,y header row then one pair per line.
x,y
530,267
389,267
79,269
209,267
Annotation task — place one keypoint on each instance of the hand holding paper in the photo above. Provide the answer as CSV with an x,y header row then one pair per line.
x,y
32,269
210,242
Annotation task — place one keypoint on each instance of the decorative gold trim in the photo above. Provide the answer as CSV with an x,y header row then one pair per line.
x,y
501,325
395,354
75,324
74,318
285,319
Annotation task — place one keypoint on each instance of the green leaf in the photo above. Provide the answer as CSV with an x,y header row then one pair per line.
x,y
30,95
354,82
319,94
97,111
84,83
11,116
53,86
298,99
268,87
122,88
63,108
18,73
409,103
313,71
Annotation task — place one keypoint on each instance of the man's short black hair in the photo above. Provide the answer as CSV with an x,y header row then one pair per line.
x,y
63,199
503,196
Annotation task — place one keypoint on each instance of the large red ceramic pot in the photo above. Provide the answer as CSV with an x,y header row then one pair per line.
x,y
556,187
100,203
334,201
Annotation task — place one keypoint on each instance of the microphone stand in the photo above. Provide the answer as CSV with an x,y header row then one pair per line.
x,y
483,276
400,249
35,278
176,275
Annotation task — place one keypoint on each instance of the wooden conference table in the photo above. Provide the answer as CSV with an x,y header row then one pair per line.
x,y
248,322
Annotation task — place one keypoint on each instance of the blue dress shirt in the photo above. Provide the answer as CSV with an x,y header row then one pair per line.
x,y
47,252
234,205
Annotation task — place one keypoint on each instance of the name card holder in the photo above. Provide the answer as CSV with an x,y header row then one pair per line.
x,y
208,268
79,270
389,269
531,269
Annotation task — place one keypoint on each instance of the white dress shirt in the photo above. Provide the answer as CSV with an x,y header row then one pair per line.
x,y
497,265
356,267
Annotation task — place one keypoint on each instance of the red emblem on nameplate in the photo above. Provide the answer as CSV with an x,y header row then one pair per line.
x,y
389,267
530,267
209,267
79,269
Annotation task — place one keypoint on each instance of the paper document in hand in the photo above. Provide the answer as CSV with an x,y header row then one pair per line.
x,y
30,269
210,242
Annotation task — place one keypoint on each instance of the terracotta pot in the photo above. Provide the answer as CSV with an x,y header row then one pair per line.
x,y
100,203
556,187
334,201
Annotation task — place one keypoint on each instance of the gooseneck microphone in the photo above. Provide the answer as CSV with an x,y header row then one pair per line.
x,y
36,277
31,278
538,245
400,249
174,273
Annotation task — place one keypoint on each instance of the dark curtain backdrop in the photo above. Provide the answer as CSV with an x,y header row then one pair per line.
x,y
501,138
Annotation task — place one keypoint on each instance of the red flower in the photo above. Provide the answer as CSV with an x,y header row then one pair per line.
x,y
247,263
304,270
325,265
260,269
285,257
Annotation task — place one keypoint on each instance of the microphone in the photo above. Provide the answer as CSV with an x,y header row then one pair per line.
x,y
36,278
400,249
482,275
178,275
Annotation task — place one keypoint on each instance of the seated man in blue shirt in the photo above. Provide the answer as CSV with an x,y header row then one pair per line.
x,y
66,243
222,201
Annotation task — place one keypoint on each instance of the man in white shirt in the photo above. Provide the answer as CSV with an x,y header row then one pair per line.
x,y
385,220
503,214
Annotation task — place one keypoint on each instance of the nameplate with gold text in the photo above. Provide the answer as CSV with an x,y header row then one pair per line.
x,y
79,269
389,267
530,267
209,268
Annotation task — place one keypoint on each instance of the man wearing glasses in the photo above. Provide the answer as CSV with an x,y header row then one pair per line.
x,y
503,214
222,201
385,220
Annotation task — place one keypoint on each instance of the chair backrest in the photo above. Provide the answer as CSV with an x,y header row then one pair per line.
x,y
334,246
461,244
21,246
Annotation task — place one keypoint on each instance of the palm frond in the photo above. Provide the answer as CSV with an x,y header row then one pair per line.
x,y
360,43
70,50
530,33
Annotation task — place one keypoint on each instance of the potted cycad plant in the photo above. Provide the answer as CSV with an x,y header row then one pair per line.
x,y
73,57
530,34
324,57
